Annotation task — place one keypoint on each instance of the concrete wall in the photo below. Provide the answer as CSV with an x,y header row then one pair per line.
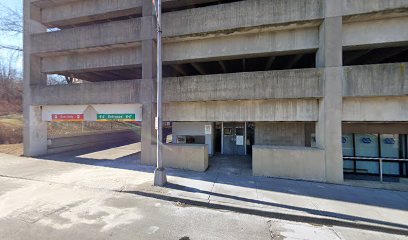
x,y
351,7
57,145
375,33
375,109
119,92
242,111
79,12
288,162
112,58
256,42
302,83
376,80
195,129
192,157
280,134
226,17
92,36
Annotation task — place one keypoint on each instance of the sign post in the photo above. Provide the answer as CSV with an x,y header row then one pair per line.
x,y
160,178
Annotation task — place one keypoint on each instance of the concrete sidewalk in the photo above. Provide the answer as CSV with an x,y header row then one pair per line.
x,y
223,188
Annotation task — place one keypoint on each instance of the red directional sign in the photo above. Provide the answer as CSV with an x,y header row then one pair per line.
x,y
67,117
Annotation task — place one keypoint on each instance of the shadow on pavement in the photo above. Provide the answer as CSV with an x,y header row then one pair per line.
x,y
227,170
342,221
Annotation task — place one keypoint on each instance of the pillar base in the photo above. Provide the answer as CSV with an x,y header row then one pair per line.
x,y
160,178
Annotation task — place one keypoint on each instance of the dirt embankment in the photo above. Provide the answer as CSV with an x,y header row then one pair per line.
x,y
11,129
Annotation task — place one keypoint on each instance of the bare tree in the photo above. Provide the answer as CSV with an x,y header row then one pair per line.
x,y
10,81
11,24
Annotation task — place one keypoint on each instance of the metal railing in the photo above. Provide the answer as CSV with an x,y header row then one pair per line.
x,y
380,160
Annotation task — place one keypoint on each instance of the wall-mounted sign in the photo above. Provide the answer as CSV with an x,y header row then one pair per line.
x,y
366,140
239,140
207,129
227,131
116,117
94,112
67,117
181,139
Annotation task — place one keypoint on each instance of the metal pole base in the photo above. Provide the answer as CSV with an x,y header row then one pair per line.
x,y
160,178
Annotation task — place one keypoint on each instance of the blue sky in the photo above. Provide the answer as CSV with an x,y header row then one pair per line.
x,y
12,3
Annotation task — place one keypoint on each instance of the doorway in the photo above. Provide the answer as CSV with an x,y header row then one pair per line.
x,y
234,138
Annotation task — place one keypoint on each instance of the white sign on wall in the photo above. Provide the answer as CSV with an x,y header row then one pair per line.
x,y
207,129
240,140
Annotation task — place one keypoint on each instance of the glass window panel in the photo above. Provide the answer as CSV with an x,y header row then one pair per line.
x,y
367,146
347,144
391,168
389,145
390,149
239,131
348,166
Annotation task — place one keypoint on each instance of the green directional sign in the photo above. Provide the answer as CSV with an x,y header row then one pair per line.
x,y
116,117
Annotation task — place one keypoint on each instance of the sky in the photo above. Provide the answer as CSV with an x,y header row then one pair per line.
x,y
11,39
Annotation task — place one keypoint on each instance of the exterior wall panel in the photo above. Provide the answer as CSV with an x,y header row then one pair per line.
x,y
376,80
303,83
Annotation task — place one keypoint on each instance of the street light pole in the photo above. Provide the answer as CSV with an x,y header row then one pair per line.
x,y
159,173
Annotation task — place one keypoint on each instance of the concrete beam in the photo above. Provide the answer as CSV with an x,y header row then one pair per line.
x,y
92,61
223,67
375,33
356,55
127,32
226,17
295,59
250,45
302,83
379,57
200,69
258,110
353,7
375,109
166,4
269,63
364,127
376,80
50,3
80,12
180,69
115,92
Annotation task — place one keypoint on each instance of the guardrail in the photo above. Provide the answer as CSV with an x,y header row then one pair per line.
x,y
380,160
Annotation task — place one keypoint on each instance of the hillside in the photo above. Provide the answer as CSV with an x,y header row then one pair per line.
x,y
11,129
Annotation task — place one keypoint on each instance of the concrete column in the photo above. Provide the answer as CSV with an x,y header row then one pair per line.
x,y
35,131
148,87
329,58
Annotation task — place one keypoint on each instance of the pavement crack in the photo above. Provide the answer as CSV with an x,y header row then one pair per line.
x,y
269,228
